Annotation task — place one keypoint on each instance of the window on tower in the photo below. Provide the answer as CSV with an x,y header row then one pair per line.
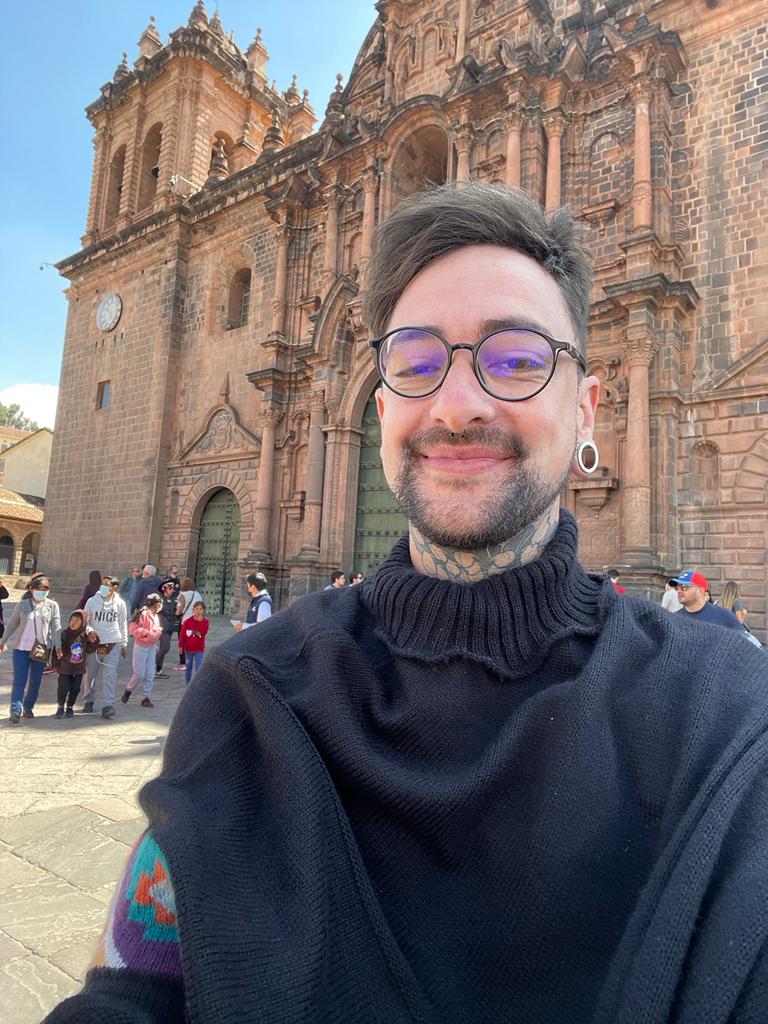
x,y
239,299
150,165
114,187
103,394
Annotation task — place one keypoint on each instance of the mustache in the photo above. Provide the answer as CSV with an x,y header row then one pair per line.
x,y
493,438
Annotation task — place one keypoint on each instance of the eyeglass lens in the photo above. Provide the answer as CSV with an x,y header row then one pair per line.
x,y
511,364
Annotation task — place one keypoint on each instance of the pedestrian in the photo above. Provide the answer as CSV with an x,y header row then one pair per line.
x,y
670,601
129,586
193,633
70,663
173,574
37,620
338,580
91,588
483,786
186,600
106,616
355,579
148,584
146,630
692,588
168,623
731,600
613,576
260,607
3,597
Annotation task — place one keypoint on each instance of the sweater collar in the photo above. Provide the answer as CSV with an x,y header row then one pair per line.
x,y
509,620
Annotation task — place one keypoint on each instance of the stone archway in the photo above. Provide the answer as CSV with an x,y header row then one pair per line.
x,y
7,553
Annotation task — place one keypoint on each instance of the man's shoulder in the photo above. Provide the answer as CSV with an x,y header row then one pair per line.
x,y
713,613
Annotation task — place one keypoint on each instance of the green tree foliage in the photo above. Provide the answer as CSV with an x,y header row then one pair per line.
x,y
12,416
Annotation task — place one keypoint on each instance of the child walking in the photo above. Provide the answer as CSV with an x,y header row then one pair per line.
x,y
70,662
192,639
146,631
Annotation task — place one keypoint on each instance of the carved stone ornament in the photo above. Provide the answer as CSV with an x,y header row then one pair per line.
x,y
222,435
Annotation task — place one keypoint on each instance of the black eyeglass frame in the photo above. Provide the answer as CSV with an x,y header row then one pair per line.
x,y
556,346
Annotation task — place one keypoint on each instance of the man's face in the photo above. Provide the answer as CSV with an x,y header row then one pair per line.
x,y
252,590
471,470
145,572
134,573
168,590
341,581
690,596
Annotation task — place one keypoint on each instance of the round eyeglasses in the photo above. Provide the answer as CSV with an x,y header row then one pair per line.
x,y
513,364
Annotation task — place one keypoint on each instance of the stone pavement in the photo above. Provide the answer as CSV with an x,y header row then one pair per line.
x,y
68,817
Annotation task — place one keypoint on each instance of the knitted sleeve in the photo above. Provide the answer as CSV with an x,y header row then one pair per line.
x,y
135,975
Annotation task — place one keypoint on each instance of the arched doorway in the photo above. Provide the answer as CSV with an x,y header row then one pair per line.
x,y
420,163
29,551
6,554
217,552
379,522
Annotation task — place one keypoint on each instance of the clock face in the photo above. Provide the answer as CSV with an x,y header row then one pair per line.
x,y
109,311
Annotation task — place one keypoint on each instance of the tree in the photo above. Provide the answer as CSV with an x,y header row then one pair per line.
x,y
12,416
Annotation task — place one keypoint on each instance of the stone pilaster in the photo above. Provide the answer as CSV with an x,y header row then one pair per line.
x,y
279,305
370,184
514,122
462,140
101,141
642,190
331,232
639,348
269,417
554,129
313,504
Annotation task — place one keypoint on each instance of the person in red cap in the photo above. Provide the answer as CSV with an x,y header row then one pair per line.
x,y
692,590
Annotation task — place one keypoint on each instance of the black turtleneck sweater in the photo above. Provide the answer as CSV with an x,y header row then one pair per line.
x,y
526,800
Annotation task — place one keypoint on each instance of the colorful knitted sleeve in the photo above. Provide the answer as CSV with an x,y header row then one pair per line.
x,y
141,931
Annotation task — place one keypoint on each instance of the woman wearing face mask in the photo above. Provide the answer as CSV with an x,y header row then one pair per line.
x,y
38,621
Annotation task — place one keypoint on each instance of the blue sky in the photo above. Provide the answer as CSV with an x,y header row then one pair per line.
x,y
51,70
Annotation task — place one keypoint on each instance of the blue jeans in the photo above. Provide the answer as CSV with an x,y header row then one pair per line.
x,y
25,668
193,662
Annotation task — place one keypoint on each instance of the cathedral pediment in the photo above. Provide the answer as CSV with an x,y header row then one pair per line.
x,y
750,371
223,437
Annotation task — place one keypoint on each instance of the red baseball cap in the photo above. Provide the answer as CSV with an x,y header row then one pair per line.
x,y
691,578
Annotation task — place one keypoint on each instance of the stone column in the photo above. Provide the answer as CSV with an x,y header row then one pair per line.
x,y
462,140
514,123
370,181
283,235
331,229
461,35
269,418
313,504
101,141
554,127
642,191
639,348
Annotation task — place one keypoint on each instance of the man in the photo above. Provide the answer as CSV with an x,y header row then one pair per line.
x,y
670,601
168,622
613,576
128,587
260,607
355,579
693,588
148,584
107,617
481,786
338,580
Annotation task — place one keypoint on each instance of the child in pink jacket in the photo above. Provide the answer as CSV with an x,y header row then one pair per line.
x,y
146,631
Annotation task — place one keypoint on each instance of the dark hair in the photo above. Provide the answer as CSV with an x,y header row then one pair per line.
x,y
613,574
431,224
356,576
77,613
671,582
256,579
187,584
337,574
150,599
199,604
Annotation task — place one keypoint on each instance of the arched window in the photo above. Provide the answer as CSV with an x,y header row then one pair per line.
x,y
239,299
150,165
114,187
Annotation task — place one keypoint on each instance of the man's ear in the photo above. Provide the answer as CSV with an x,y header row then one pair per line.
x,y
380,403
589,397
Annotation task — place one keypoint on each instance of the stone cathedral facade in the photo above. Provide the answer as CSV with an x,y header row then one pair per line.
x,y
216,387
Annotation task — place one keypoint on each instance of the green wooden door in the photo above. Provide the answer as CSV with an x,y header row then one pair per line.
x,y
379,523
217,551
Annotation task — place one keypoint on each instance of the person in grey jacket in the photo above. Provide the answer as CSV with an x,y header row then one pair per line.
x,y
37,619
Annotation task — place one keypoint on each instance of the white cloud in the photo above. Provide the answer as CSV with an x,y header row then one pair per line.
x,y
37,401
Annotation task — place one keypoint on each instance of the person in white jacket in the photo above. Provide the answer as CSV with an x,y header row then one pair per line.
x,y
107,616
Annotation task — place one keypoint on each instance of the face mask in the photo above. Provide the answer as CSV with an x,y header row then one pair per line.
x,y
39,595
105,591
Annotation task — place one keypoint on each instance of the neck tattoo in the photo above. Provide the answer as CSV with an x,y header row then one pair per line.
x,y
472,566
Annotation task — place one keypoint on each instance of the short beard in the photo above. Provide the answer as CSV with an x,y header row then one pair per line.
x,y
518,503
